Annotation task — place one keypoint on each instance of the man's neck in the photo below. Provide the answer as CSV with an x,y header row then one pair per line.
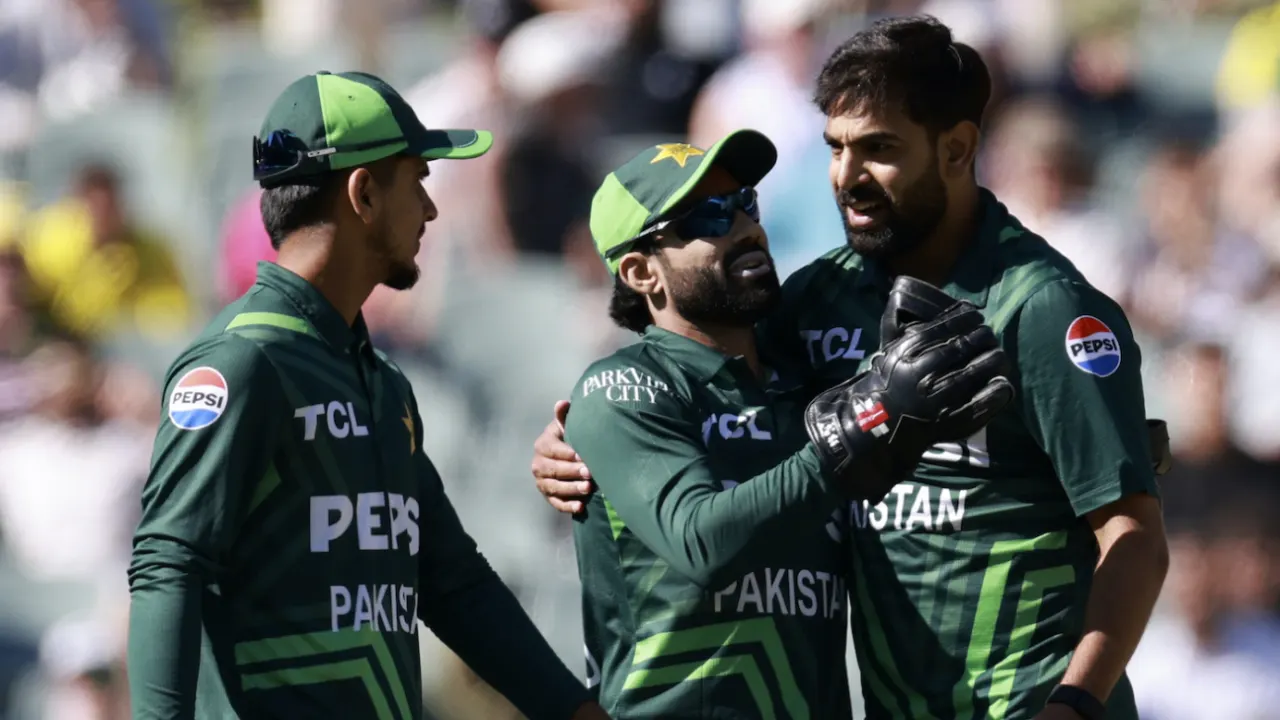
x,y
314,256
732,341
936,257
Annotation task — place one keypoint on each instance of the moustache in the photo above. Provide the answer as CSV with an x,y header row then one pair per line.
x,y
860,194
741,249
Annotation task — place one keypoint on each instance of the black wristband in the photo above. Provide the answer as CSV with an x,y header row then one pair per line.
x,y
1080,700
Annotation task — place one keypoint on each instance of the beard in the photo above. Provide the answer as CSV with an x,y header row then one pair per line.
x,y
401,274
908,222
711,296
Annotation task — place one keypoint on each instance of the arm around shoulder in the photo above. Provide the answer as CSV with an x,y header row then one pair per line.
x,y
644,445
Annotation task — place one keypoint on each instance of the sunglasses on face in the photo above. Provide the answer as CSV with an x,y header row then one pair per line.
x,y
711,217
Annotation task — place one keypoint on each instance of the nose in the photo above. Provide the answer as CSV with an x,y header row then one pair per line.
x,y
429,209
849,171
746,228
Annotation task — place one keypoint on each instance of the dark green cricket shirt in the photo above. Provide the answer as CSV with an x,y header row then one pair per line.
x,y
293,533
969,583
712,558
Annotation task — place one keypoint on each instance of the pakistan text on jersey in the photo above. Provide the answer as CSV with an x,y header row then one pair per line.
x,y
380,608
380,518
625,385
909,506
785,591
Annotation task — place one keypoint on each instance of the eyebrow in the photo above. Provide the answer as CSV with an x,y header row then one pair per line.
x,y
882,136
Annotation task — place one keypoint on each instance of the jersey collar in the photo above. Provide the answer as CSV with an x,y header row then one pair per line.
x,y
972,277
701,361
315,309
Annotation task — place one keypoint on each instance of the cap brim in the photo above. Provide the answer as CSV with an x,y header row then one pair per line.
x,y
453,144
748,155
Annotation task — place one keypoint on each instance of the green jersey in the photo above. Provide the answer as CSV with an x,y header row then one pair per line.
x,y
969,582
712,556
293,533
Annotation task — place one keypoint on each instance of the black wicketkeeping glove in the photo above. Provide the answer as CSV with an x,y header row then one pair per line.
x,y
939,380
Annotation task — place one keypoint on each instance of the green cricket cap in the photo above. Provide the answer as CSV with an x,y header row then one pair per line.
x,y
332,121
649,185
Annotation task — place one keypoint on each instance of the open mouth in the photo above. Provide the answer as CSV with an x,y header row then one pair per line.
x,y
751,264
865,212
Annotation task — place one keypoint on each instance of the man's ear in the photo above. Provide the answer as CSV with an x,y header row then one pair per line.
x,y
640,273
958,149
363,195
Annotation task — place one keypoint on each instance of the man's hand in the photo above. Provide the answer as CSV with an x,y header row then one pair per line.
x,y
558,472
940,380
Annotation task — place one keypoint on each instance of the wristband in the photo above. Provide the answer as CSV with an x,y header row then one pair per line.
x,y
1078,699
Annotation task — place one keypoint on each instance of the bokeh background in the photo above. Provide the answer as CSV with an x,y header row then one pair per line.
x,y
1140,137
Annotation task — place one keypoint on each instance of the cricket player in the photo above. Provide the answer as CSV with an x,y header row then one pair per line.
x,y
1012,577
293,532
713,558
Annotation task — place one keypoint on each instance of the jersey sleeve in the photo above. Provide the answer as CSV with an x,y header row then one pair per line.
x,y
644,446
222,414
1079,376
475,615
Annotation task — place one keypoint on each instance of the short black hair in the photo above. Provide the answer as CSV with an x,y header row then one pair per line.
x,y
628,308
913,63
287,209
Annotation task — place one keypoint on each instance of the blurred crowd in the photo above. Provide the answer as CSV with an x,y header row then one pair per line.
x,y
1140,137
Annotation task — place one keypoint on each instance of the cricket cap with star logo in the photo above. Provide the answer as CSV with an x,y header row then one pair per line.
x,y
653,183
332,121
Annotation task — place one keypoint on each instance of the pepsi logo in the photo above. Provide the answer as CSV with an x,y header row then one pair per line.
x,y
1092,346
198,399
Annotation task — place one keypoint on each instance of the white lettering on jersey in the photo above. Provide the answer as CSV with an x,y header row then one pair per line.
x,y
625,385
381,519
834,344
731,426
913,507
773,591
340,419
375,608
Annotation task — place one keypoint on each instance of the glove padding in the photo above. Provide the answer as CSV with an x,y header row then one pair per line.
x,y
941,380
911,300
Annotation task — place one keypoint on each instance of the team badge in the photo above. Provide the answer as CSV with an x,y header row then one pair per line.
x,y
198,399
1092,346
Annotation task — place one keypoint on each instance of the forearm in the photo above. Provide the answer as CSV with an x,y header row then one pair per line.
x,y
486,627
714,531
164,635
1126,585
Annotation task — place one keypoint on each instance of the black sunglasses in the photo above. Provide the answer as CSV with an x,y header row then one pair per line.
x,y
283,155
711,217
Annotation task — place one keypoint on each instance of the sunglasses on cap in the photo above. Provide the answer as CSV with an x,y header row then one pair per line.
x,y
710,217
282,155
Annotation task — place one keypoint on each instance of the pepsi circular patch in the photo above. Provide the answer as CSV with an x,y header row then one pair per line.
x,y
1092,346
198,399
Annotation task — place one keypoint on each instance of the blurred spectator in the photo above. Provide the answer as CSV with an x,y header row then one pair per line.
x,y
1187,667
244,243
82,657
1191,276
1037,164
69,465
671,50
17,335
768,87
97,271
72,55
551,66
1250,70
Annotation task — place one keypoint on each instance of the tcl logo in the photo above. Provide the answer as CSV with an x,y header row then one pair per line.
x,y
733,426
833,344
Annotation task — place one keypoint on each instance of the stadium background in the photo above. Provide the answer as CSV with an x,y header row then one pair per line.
x,y
1141,137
